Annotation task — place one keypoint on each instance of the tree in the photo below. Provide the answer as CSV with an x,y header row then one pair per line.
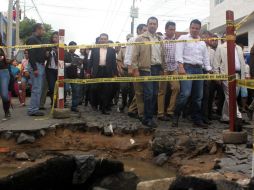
x,y
26,28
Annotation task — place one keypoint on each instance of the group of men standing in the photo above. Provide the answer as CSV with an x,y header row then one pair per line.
x,y
149,98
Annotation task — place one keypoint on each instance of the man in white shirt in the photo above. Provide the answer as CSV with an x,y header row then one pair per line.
x,y
191,57
221,67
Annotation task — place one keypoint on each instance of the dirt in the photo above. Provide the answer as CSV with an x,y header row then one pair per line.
x,y
133,151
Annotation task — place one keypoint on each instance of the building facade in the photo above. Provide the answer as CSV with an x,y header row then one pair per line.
x,y
216,23
3,27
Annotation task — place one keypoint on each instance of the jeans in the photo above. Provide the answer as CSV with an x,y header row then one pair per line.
x,y
4,83
75,88
193,89
37,84
150,90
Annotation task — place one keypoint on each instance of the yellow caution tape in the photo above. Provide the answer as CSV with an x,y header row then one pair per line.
x,y
230,23
243,83
243,21
231,38
109,44
138,43
29,46
246,83
231,78
147,79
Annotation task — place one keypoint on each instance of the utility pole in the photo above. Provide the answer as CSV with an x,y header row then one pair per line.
x,y
17,21
9,29
134,14
24,9
133,19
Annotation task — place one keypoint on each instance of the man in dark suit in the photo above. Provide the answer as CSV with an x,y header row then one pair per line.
x,y
103,65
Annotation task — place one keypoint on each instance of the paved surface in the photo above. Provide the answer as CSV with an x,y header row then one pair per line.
x,y
21,121
237,157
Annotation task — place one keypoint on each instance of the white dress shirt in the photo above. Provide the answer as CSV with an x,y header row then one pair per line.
x,y
194,53
128,52
237,61
103,56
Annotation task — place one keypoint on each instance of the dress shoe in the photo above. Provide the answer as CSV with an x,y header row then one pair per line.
x,y
175,121
164,118
133,115
207,121
170,116
150,124
105,113
213,117
7,116
250,114
199,125
37,114
224,122
75,110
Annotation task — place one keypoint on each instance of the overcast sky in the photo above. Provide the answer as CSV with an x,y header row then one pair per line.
x,y
84,20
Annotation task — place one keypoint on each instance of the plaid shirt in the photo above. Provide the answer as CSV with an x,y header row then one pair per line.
x,y
170,48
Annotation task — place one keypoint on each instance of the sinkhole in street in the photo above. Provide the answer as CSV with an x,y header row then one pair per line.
x,y
133,152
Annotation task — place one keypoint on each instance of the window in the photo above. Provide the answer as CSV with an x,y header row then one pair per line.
x,y
218,2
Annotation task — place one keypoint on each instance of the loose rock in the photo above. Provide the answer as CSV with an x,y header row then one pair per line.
x,y
123,181
164,144
22,156
108,130
24,138
161,159
213,150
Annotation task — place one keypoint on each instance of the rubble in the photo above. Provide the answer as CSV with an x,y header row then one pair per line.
x,y
24,138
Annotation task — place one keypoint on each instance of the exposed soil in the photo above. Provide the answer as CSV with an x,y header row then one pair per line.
x,y
132,150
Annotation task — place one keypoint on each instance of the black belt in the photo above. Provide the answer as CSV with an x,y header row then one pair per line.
x,y
238,72
194,66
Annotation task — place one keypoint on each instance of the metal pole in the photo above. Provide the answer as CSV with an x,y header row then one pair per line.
x,y
17,21
61,69
231,68
24,9
9,29
133,19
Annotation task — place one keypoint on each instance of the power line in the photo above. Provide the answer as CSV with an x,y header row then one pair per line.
x,y
112,22
123,28
37,11
104,10
107,13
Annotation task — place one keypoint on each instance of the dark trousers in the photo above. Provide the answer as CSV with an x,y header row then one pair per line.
x,y
150,90
127,91
51,75
101,93
215,90
205,100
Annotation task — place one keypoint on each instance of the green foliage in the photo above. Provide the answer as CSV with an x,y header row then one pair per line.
x,y
26,28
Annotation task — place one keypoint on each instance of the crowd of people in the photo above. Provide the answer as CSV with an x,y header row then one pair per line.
x,y
198,100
